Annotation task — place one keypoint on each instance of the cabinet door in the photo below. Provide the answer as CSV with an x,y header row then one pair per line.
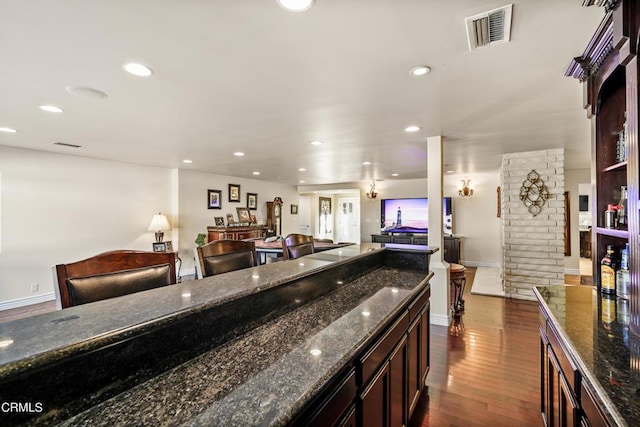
x,y
563,406
398,385
375,400
418,363
569,411
544,380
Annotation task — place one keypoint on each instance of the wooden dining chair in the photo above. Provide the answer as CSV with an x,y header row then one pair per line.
x,y
297,245
112,274
222,256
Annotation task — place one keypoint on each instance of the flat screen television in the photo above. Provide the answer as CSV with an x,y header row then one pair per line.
x,y
411,215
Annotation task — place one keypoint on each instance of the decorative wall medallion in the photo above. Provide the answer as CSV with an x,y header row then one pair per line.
x,y
533,193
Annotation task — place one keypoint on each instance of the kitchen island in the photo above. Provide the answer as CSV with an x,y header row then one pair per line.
x,y
590,361
296,342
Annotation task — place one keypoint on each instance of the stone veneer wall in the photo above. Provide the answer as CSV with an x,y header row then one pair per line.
x,y
532,246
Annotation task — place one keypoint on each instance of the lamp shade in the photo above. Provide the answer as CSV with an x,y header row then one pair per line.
x,y
159,222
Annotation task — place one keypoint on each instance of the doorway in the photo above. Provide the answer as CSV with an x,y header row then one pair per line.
x,y
584,227
348,219
304,215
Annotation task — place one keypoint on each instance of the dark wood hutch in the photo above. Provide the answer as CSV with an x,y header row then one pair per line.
x,y
609,70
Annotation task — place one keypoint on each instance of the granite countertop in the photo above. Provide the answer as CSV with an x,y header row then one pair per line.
x,y
595,328
268,374
56,335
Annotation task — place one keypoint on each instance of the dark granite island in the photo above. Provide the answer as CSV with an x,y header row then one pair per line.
x,y
590,361
313,340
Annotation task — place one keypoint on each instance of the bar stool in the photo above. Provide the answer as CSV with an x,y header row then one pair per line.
x,y
458,281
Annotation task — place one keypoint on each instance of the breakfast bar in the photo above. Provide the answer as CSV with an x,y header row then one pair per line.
x,y
310,341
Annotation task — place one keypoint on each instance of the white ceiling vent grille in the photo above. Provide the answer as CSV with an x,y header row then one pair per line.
x,y
489,28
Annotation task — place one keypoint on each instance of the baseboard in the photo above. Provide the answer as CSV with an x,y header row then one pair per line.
x,y
574,271
440,319
480,264
23,302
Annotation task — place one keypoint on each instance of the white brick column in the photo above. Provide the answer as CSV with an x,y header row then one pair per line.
x,y
532,246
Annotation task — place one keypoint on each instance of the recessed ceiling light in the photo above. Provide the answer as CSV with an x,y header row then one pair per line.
x,y
238,153
301,170
366,163
86,92
394,174
301,182
317,142
420,71
187,161
412,128
450,171
8,130
51,108
256,173
296,5
137,69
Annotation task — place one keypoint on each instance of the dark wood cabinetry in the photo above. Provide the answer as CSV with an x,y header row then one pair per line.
x,y
451,244
609,70
389,377
565,400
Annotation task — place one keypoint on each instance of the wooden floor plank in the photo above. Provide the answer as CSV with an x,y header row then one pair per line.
x,y
486,371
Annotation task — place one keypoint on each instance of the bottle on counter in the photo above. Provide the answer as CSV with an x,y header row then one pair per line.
x,y
608,267
623,284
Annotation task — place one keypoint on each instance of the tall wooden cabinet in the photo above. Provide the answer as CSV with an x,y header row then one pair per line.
x,y
609,70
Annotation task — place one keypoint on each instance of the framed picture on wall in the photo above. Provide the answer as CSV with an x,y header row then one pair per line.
x,y
252,201
234,192
294,209
214,199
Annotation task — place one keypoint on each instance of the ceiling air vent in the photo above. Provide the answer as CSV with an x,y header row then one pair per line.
x,y
489,28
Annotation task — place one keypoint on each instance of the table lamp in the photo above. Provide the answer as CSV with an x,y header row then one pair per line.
x,y
159,224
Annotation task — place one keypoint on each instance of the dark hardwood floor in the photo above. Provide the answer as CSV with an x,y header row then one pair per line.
x,y
485,367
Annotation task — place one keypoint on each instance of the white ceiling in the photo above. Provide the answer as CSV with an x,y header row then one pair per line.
x,y
246,75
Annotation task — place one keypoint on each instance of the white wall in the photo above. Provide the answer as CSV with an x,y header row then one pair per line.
x,y
475,220
60,208
572,179
195,216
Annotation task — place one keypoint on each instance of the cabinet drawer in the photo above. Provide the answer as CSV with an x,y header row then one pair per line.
x,y
543,320
569,370
418,305
590,408
382,348
336,404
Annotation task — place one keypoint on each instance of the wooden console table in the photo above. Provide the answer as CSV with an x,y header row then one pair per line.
x,y
236,233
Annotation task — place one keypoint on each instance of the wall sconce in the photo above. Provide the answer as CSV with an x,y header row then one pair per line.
x,y
372,191
465,191
159,224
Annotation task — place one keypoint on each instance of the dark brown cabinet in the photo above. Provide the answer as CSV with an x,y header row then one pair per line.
x,y
375,400
386,380
608,68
